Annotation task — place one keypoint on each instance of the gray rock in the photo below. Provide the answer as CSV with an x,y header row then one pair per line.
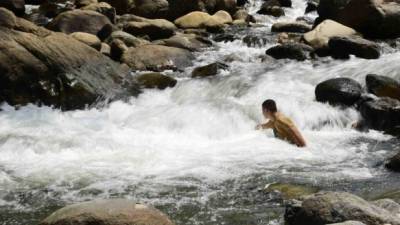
x,y
335,207
382,86
342,47
389,205
382,114
289,50
338,91
157,58
113,211
294,27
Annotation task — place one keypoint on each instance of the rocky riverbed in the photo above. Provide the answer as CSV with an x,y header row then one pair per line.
x,y
155,102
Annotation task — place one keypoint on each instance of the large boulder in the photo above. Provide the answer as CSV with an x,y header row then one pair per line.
x,y
290,50
338,91
103,8
335,207
343,47
156,80
320,35
38,66
113,211
374,18
294,27
157,58
16,6
203,20
88,39
382,86
72,21
382,114
153,28
150,8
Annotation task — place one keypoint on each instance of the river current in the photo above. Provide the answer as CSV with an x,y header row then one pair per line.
x,y
192,150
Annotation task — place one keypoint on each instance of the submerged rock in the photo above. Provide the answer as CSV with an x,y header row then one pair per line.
x,y
113,211
338,91
294,27
289,50
157,58
156,80
343,47
382,114
71,21
39,66
291,191
382,86
209,70
335,207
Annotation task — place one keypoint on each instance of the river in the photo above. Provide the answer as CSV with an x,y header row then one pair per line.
x,y
192,150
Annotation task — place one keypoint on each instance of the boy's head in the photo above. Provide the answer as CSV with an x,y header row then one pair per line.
x,y
269,108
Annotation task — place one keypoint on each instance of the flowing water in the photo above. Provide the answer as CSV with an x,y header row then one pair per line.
x,y
192,150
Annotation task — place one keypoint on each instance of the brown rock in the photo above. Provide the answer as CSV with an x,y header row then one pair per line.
x,y
88,39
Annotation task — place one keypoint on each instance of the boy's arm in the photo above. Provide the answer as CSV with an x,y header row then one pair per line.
x,y
265,126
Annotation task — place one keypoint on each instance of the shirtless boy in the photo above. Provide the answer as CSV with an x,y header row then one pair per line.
x,y
282,126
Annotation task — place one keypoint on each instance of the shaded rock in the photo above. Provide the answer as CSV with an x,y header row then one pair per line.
x,y
103,8
290,191
342,47
350,222
275,11
374,18
112,211
311,6
153,28
157,58
121,6
16,6
71,21
203,20
294,27
382,114
285,3
209,70
338,91
7,18
189,42
320,35
150,8
289,50
225,37
117,49
389,204
156,80
128,39
52,9
394,163
88,39
328,9
335,207
382,86
82,3
37,66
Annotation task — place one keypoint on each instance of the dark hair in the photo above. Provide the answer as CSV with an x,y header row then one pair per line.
x,y
269,105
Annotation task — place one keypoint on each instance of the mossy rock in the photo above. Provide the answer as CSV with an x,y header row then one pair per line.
x,y
291,191
156,80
